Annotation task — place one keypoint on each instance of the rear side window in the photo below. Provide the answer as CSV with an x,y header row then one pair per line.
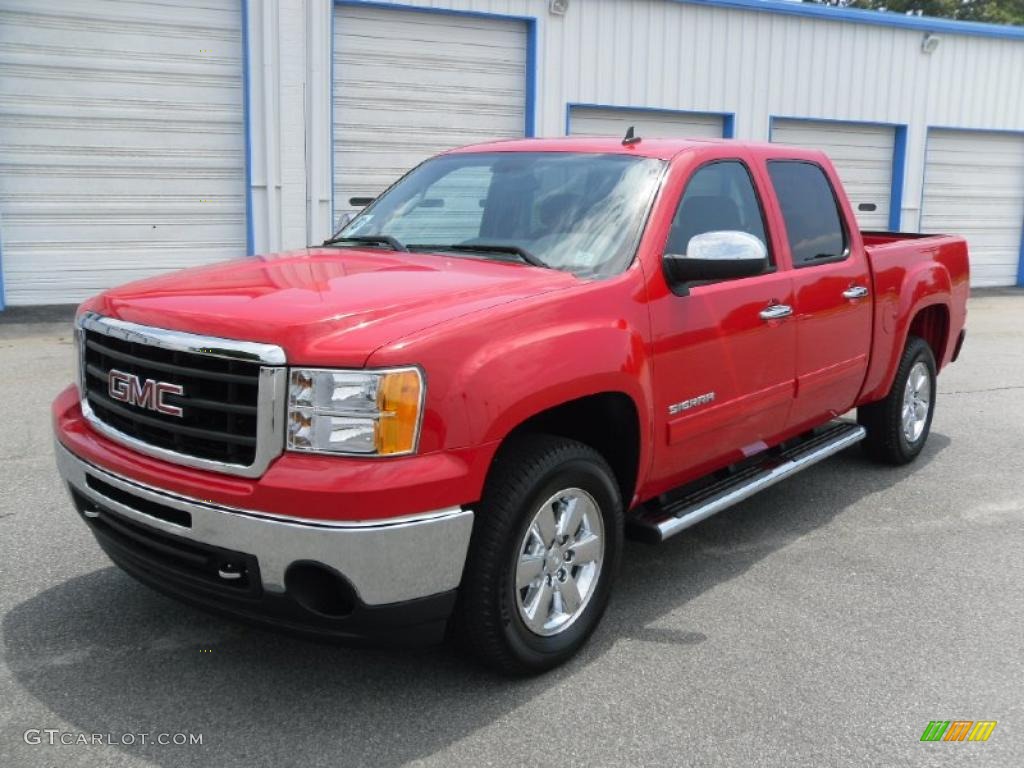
x,y
719,196
809,208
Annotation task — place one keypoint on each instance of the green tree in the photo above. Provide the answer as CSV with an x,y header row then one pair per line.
x,y
992,11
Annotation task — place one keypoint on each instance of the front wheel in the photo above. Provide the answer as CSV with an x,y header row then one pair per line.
x,y
546,543
898,426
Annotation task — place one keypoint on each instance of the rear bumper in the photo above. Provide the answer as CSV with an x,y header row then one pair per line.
x,y
367,578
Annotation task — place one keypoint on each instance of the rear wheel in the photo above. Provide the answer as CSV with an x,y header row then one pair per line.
x,y
898,426
545,547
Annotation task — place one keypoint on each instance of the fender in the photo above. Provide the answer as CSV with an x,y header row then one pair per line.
x,y
900,294
592,360
490,372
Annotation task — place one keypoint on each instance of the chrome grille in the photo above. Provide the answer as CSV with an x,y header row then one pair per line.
x,y
229,403
218,406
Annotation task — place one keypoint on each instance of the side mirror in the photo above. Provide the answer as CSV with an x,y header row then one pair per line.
x,y
716,256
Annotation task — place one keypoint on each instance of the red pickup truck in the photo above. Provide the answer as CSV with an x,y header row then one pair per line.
x,y
449,415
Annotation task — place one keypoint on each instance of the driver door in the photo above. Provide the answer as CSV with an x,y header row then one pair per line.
x,y
724,352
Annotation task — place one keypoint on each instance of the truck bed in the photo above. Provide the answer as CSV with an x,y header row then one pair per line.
x,y
911,269
879,237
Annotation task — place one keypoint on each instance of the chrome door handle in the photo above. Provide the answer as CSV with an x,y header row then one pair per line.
x,y
855,292
776,312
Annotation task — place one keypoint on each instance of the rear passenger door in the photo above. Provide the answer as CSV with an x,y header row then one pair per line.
x,y
831,282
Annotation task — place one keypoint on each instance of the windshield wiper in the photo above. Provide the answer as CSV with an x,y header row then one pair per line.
x,y
515,250
388,240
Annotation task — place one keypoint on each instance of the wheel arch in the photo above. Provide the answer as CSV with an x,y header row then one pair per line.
x,y
915,304
607,421
931,323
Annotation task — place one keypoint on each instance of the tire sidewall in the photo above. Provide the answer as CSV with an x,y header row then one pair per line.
x,y
575,473
921,354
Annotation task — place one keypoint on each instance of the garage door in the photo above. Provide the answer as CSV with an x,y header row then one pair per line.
x,y
600,121
974,186
862,154
121,142
409,84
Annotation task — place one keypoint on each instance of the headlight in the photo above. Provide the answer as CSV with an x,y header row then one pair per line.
x,y
364,413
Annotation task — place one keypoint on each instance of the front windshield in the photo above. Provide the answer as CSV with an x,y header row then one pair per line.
x,y
582,213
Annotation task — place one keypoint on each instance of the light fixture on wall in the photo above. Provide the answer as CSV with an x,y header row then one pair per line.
x,y
558,7
930,43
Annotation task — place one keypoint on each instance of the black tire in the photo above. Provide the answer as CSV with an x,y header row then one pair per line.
x,y
886,441
528,471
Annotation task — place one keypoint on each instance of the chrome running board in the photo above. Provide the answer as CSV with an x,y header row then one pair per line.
x,y
656,522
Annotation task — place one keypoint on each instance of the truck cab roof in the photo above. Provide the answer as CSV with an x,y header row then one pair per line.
x,y
664,149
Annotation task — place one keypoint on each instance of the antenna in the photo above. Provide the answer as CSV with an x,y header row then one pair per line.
x,y
630,138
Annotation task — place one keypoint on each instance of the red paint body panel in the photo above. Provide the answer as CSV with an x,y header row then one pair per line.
x,y
911,273
325,306
501,342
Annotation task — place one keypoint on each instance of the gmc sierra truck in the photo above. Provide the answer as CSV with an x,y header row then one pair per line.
x,y
447,417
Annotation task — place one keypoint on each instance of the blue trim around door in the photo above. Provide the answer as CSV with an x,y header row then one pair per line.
x,y
899,172
530,128
1020,261
249,227
729,125
728,118
824,12
899,157
530,22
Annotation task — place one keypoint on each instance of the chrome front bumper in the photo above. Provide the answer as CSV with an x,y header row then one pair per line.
x,y
386,561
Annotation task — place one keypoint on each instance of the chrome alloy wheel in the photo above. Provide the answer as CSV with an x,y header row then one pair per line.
x,y
917,397
559,562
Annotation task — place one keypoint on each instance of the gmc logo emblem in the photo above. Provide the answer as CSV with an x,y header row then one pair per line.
x,y
128,388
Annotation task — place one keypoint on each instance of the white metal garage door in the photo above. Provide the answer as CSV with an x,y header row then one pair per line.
x,y
601,121
974,186
862,154
122,149
409,84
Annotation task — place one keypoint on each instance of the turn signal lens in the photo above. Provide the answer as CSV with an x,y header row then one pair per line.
x,y
398,402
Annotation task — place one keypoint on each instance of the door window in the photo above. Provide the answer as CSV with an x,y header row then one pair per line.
x,y
719,196
814,225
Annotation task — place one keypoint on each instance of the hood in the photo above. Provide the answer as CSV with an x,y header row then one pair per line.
x,y
327,306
